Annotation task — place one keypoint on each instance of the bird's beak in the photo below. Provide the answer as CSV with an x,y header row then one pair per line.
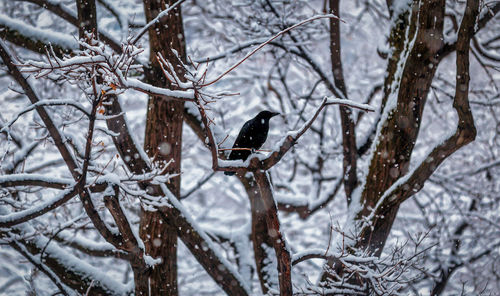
x,y
274,114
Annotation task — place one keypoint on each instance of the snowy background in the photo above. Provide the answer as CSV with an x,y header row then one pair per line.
x,y
451,225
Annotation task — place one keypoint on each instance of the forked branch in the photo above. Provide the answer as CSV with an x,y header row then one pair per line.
x,y
265,163
465,132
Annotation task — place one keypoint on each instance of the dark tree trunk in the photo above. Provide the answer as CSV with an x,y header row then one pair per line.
x,y
391,158
348,132
87,17
283,258
163,142
416,42
260,236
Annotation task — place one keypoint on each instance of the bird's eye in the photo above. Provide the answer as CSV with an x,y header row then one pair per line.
x,y
262,121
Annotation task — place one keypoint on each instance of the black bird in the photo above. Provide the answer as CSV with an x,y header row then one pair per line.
x,y
252,135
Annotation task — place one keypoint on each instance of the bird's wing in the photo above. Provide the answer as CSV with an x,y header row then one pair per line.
x,y
243,140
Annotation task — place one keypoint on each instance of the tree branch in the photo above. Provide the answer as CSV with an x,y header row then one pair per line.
x,y
32,96
38,210
283,260
464,133
451,46
346,117
265,163
14,180
63,12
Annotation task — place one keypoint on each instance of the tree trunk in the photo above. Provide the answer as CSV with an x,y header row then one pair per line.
x,y
283,258
163,142
261,239
404,107
348,127
87,17
415,40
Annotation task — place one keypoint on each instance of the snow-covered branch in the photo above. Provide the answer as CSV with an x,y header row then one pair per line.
x,y
113,67
265,163
465,131
60,41
155,20
38,210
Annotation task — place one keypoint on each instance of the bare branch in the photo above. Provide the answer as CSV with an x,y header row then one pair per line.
x,y
76,276
304,207
258,163
346,117
154,21
115,239
30,93
38,210
247,56
281,249
465,132
130,242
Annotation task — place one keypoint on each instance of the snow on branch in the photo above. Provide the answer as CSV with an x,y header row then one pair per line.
x,y
265,163
63,267
247,56
465,131
112,67
38,210
46,36
13,180
154,21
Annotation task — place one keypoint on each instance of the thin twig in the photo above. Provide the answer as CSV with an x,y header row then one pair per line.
x,y
267,42
153,21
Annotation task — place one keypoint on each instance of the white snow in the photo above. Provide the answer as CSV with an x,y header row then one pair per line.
x,y
45,35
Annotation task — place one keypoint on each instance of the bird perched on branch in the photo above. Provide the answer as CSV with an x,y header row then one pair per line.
x,y
252,136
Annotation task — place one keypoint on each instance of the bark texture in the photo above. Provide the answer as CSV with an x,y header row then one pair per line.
x,y
346,117
163,142
260,236
404,106
417,47
283,258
